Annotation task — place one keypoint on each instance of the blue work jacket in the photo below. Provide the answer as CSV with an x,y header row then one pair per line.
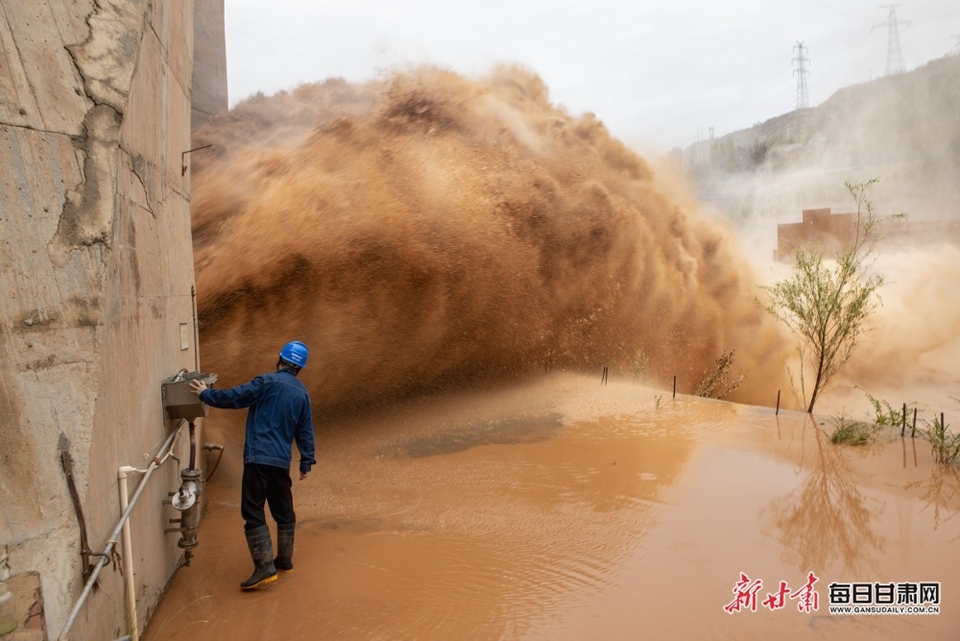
x,y
279,414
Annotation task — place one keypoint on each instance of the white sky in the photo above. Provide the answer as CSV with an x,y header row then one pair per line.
x,y
658,74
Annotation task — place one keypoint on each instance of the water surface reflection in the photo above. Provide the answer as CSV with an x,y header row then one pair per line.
x,y
827,519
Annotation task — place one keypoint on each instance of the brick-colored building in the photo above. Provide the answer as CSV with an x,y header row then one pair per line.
x,y
836,232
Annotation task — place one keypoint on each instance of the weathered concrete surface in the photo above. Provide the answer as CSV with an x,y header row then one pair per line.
x,y
96,268
28,606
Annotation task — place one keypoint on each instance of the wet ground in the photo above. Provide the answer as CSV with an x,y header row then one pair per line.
x,y
566,509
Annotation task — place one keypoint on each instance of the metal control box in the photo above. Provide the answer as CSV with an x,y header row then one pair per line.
x,y
179,401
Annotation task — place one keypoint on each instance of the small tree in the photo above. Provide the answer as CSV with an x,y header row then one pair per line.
x,y
716,381
827,301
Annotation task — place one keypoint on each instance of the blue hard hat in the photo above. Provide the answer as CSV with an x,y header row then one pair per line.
x,y
295,353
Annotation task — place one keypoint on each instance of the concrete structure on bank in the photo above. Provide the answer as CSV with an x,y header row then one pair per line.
x,y
209,96
829,233
96,267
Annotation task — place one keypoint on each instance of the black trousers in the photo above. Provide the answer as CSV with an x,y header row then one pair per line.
x,y
266,484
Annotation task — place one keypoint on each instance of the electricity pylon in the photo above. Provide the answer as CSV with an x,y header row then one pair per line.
x,y
801,73
894,53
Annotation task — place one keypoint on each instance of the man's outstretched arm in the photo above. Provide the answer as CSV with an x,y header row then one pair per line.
x,y
232,399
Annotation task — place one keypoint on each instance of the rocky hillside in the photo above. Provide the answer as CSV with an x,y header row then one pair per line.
x,y
903,129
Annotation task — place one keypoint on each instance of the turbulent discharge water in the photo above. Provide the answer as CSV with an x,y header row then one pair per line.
x,y
428,231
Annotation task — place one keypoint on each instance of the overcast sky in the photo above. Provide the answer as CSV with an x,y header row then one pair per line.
x,y
658,74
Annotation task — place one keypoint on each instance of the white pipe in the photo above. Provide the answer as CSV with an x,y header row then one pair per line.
x,y
128,557
128,545
112,541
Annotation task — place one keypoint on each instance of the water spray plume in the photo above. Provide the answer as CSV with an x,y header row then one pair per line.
x,y
430,231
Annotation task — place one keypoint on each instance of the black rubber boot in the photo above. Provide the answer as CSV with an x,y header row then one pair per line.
x,y
261,551
284,560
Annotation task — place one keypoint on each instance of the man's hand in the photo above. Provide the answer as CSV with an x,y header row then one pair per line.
x,y
197,386
303,475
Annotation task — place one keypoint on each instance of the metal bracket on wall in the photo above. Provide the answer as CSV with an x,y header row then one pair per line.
x,y
67,462
183,158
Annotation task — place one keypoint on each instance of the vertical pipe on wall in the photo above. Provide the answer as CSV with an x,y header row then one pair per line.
x,y
168,445
128,556
196,328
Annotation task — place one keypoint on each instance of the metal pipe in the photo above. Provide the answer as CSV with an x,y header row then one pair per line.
x,y
209,447
112,541
187,500
193,446
196,327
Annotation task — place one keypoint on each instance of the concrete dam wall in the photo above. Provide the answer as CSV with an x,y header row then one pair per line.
x,y
96,266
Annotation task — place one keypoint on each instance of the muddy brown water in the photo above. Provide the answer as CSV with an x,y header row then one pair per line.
x,y
566,509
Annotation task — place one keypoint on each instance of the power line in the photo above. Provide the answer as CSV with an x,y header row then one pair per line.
x,y
801,73
841,58
894,53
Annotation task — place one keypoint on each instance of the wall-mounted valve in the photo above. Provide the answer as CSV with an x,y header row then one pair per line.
x,y
189,491
180,401
186,500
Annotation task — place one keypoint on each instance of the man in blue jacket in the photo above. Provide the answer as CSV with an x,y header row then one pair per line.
x,y
279,414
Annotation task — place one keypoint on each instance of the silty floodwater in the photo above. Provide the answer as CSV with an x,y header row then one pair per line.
x,y
441,243
566,509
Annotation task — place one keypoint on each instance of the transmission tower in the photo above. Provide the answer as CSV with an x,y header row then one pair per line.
x,y
894,53
801,73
